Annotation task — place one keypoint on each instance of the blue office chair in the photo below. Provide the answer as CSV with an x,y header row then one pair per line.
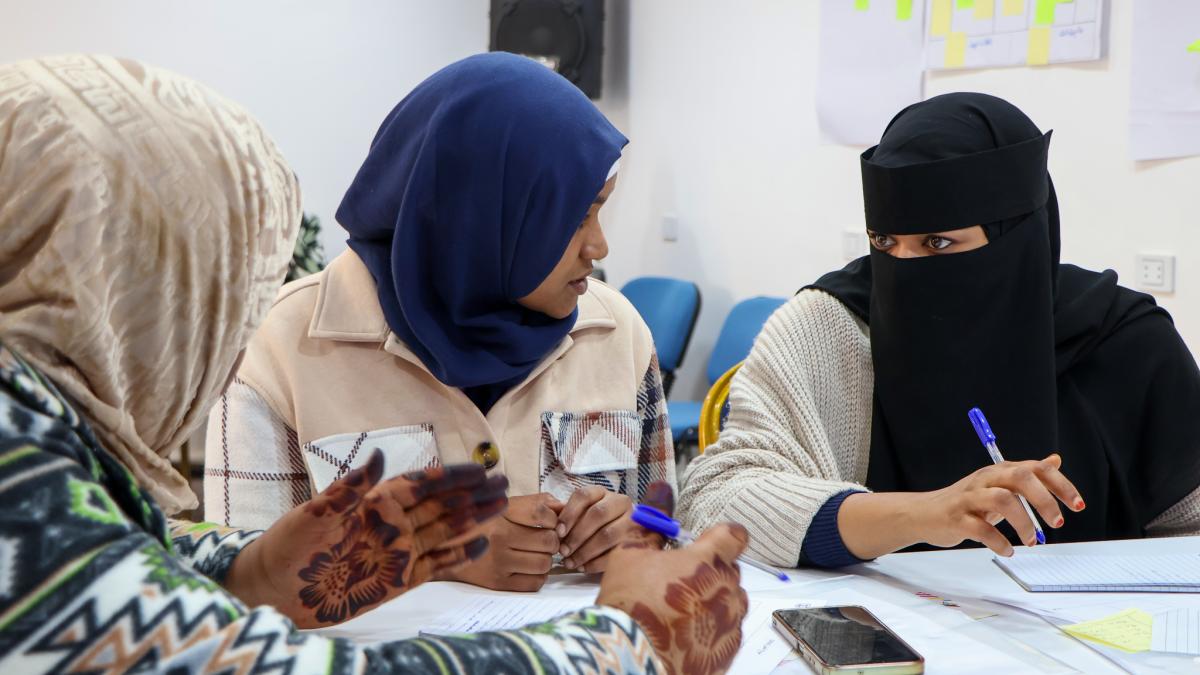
x,y
737,335
669,307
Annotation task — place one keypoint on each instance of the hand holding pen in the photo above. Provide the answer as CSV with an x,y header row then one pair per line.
x,y
656,521
973,507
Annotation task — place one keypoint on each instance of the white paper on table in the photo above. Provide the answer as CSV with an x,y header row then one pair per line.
x,y
763,647
945,649
1177,631
489,613
1164,96
870,66
987,35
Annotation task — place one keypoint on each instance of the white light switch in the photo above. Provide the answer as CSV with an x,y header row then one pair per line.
x,y
1156,272
854,243
670,227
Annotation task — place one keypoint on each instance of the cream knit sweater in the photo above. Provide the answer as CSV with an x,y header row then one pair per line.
x,y
799,432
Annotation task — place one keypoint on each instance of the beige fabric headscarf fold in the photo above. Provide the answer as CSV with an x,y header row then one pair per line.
x,y
145,226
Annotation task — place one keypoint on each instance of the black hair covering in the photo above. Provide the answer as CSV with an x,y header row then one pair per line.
x,y
1060,359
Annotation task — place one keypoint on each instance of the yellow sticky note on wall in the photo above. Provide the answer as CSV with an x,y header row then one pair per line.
x,y
1194,47
956,50
943,12
1039,46
903,10
1130,630
984,9
1043,13
1013,7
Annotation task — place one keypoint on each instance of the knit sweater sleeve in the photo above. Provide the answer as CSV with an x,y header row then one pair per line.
x,y
798,431
1181,520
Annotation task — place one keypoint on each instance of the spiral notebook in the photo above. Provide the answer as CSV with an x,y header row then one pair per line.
x,y
1042,573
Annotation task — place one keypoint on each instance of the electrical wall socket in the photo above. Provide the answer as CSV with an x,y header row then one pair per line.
x,y
1156,272
854,243
670,227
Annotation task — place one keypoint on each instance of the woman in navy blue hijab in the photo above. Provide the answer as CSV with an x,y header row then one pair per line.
x,y
473,187
474,223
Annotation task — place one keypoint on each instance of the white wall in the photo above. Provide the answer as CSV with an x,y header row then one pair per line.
x,y
720,111
319,74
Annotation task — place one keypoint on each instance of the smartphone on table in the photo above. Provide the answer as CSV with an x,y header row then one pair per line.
x,y
847,639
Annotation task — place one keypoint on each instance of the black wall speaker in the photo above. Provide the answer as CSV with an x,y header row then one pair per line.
x,y
567,35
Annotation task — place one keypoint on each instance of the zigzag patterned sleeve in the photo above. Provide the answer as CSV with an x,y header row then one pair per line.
x,y
84,588
210,548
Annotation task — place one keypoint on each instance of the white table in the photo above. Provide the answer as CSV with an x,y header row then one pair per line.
x,y
1013,640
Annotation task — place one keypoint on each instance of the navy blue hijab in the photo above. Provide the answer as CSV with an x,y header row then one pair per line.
x,y
470,194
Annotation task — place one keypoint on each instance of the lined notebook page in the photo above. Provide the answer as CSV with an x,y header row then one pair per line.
x,y
1159,573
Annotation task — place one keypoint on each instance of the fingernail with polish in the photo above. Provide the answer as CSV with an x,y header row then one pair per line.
x,y
1058,522
1079,505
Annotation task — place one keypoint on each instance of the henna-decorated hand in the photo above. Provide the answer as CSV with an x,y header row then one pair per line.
x,y
364,541
522,548
595,522
689,600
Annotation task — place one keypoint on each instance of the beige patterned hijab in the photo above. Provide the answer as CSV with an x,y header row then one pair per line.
x,y
145,226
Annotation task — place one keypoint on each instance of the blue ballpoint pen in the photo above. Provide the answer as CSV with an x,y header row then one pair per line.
x,y
656,521
984,431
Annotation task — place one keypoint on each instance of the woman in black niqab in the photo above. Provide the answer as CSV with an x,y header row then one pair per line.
x,y
1061,359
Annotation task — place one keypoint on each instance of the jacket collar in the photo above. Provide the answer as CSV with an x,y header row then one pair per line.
x,y
347,309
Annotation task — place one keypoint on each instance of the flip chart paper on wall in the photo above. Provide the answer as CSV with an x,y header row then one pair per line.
x,y
1013,33
1164,106
870,65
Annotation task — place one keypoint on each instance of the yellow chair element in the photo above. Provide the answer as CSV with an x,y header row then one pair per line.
x,y
710,410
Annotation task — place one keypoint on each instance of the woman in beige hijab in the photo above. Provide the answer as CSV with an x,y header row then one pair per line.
x,y
144,227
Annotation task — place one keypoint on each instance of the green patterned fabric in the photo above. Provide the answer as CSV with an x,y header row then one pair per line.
x,y
93,578
308,257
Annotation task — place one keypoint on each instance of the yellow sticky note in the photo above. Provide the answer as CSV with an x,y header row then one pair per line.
x,y
984,9
956,50
1194,47
903,10
1043,13
966,4
1129,631
862,5
1039,46
939,22
1013,7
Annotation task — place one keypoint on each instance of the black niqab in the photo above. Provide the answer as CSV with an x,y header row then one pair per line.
x,y
1059,358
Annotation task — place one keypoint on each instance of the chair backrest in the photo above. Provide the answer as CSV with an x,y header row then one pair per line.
x,y
669,307
715,408
737,335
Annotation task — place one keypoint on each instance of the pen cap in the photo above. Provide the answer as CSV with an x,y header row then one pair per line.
x,y
656,521
982,428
